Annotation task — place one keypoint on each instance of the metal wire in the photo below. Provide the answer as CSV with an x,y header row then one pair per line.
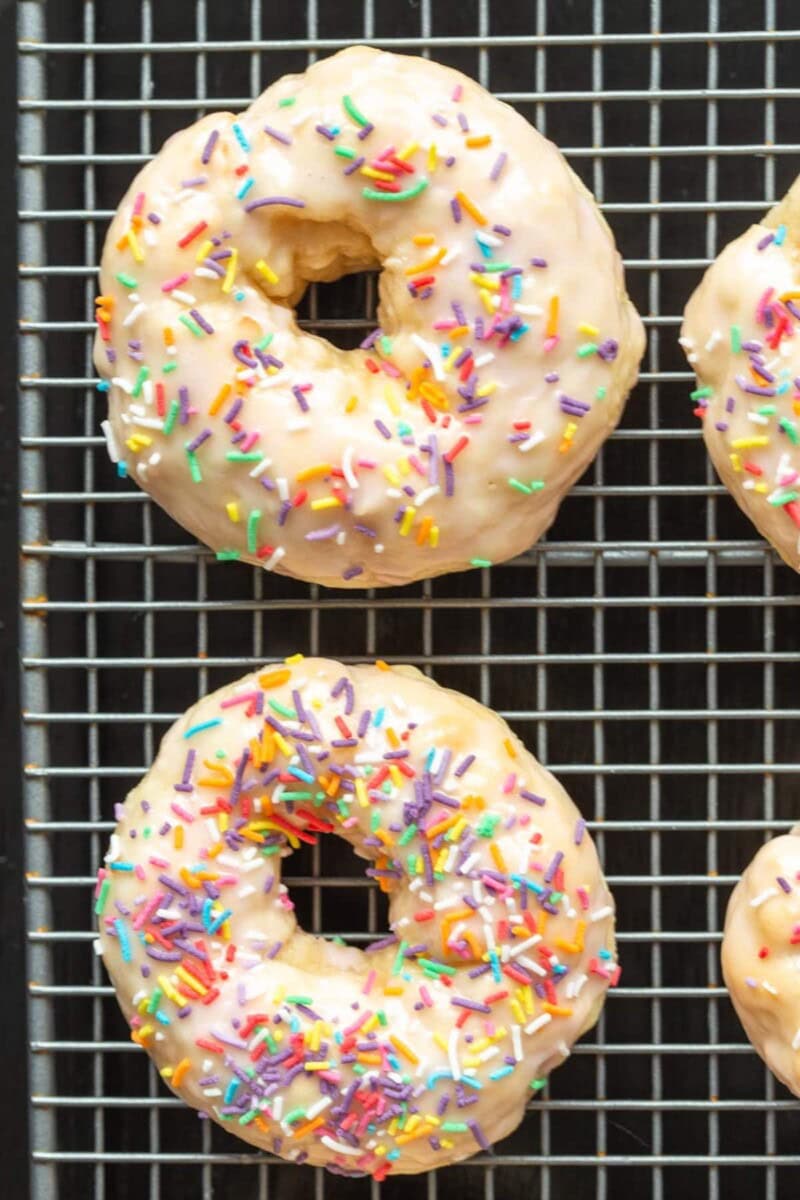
x,y
646,650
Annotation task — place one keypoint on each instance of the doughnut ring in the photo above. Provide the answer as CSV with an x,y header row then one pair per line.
x,y
421,1050
505,350
740,333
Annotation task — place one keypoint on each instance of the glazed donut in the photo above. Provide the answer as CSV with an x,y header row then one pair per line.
x,y
505,350
740,335
424,1048
759,955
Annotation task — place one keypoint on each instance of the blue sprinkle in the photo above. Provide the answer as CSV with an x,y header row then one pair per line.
x,y
240,137
203,725
780,235
501,1072
245,188
299,773
103,385
122,470
220,920
379,715
124,941
121,866
231,1090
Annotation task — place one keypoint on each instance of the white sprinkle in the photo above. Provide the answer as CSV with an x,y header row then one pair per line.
x,y
758,418
426,494
529,310
757,901
341,537
601,913
530,965
484,359
453,252
283,487
97,947
260,468
274,558
378,548
538,1023
111,441
768,987
298,425
182,297
118,381
205,273
277,1108
529,443
521,947
340,1147
796,1041
714,340
516,1042
575,986
347,468
452,1054
318,1107
113,849
133,315
212,1091
431,352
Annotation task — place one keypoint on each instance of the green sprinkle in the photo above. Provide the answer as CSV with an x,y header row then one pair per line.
x,y
252,530
102,897
487,824
191,325
282,710
172,416
248,1117
790,429
701,393
265,341
783,498
767,410
536,485
227,555
168,368
240,456
294,1116
736,339
408,194
155,1000
344,152
126,280
586,349
375,821
144,373
295,795
496,266
600,394
194,466
434,968
352,111
480,562
382,1017
287,101
519,487
407,835
454,1127
299,1000
386,344
536,1085
398,961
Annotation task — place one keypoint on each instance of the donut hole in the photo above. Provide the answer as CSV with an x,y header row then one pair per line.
x,y
343,311
333,895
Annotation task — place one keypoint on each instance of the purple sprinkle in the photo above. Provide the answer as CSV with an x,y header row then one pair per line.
x,y
265,201
538,262
297,392
208,149
201,321
277,135
365,131
383,429
198,441
326,133
196,181
439,119
534,799
783,883
765,241
464,766
580,829
463,122
499,163
354,165
503,230
455,209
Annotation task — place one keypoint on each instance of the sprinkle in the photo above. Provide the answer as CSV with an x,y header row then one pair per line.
x,y
210,724
408,194
266,201
353,112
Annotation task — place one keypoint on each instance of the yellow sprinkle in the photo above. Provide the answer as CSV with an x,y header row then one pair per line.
x,y
371,1024
736,462
325,502
497,856
272,679
391,474
391,399
589,330
479,141
486,300
749,443
169,991
509,745
761,488
313,472
372,173
471,208
190,981
409,150
318,1066
351,403
427,263
168,335
293,658
484,281
266,270
381,665
204,251
408,520
361,793
392,738
393,989
230,273
232,509
423,239
136,249
434,538
486,389
440,1042
286,750
178,838
516,1009
397,778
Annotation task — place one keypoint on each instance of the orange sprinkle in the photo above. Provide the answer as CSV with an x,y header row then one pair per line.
x,y
219,399
188,879
316,472
307,1127
551,328
178,837
427,263
169,336
273,679
403,1049
477,142
423,239
381,665
471,208
556,1010
424,530
510,751
180,1072
392,989
497,856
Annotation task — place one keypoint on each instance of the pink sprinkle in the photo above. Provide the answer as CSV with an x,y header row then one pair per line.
x,y
417,465
525,819
365,1016
330,1076
368,464
763,302
242,698
250,441
391,369
138,871
181,812
458,92
367,988
101,874
583,896
425,996
449,323
144,914
510,783
158,862
551,343
350,822
171,284
475,419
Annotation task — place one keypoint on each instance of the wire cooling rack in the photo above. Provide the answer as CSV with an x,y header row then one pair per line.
x,y
646,651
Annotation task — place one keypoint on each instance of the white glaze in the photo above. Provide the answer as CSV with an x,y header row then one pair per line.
x,y
552,216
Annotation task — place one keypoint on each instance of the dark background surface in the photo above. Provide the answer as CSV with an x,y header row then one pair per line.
x,y
272,616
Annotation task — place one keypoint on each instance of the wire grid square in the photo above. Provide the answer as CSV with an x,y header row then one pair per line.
x,y
646,650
